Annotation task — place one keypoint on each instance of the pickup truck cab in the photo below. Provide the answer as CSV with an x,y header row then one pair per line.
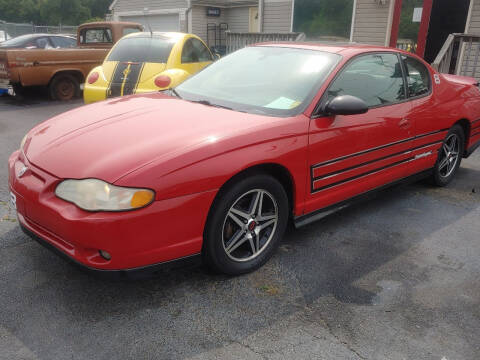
x,y
62,70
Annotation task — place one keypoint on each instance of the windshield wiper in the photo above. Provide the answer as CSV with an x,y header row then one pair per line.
x,y
208,103
172,91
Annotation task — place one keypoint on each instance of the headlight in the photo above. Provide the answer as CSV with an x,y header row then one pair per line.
x,y
97,195
23,142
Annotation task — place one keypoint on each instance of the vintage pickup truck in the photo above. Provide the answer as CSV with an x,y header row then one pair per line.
x,y
62,70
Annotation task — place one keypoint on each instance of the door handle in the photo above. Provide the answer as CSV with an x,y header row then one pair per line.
x,y
404,124
36,63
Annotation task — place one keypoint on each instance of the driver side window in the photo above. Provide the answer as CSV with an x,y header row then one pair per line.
x,y
377,79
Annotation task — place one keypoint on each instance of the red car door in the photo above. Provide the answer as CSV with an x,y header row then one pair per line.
x,y
350,155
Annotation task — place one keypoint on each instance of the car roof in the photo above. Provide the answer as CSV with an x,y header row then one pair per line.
x,y
169,34
345,49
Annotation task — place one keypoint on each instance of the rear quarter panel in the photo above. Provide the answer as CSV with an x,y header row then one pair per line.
x,y
450,102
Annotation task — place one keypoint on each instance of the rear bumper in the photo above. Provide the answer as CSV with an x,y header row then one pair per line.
x,y
164,231
92,93
5,84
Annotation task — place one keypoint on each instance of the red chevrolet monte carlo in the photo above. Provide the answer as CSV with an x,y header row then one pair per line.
x,y
217,166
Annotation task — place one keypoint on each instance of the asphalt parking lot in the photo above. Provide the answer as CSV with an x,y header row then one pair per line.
x,y
397,277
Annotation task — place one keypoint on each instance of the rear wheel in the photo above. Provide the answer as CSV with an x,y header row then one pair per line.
x,y
245,225
64,87
449,157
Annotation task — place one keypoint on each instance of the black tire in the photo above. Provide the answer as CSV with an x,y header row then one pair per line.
x,y
445,170
215,246
19,91
64,87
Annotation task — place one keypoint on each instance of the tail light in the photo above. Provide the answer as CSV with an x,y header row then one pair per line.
x,y
93,77
162,81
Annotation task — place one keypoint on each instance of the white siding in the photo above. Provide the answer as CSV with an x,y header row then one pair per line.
x,y
238,19
474,26
139,5
277,16
200,21
371,22
470,56
167,22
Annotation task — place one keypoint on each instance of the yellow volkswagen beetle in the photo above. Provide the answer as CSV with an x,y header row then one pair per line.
x,y
145,62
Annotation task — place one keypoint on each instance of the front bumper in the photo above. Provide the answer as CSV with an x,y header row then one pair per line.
x,y
165,230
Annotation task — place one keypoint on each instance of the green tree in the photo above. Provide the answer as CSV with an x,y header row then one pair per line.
x,y
53,12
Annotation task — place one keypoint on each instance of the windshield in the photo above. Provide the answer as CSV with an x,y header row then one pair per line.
x,y
268,80
142,49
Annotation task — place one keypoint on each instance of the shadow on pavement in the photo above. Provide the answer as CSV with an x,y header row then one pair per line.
x,y
60,312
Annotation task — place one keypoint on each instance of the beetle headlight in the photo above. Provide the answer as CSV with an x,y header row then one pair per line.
x,y
98,195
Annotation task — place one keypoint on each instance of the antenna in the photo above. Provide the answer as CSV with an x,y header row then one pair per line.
x,y
145,13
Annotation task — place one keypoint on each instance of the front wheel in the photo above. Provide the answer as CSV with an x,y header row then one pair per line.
x,y
449,157
245,225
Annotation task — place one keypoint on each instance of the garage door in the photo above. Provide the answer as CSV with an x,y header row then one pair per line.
x,y
157,22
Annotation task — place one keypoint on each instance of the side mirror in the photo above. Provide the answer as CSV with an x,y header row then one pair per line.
x,y
346,105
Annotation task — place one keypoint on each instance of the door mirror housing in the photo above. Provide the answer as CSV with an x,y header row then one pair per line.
x,y
346,105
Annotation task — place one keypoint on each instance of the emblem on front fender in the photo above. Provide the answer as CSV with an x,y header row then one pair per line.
x,y
22,171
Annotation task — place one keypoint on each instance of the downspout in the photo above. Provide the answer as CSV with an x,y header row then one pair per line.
x,y
260,14
352,25
188,15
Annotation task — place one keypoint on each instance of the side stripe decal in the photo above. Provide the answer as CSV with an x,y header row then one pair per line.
x,y
376,148
375,160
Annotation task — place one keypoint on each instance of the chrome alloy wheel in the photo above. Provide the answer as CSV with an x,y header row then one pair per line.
x,y
449,156
250,225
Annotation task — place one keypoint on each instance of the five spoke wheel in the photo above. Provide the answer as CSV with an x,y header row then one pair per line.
x,y
250,225
449,155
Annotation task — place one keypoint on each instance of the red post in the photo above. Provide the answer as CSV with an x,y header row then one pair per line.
x,y
424,25
397,11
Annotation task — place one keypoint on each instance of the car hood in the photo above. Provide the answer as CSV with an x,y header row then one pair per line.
x,y
110,139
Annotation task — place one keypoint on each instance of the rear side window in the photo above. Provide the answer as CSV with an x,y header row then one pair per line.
x,y
42,43
63,42
95,36
142,49
377,79
418,77
195,51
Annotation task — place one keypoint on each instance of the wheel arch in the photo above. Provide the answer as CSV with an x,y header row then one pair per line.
x,y
466,126
75,73
277,171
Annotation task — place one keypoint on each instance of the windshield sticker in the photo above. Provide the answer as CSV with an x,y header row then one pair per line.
x,y
283,103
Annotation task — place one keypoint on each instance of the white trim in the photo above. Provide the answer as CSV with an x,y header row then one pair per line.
x,y
354,14
293,14
388,32
469,16
150,12
112,5
458,70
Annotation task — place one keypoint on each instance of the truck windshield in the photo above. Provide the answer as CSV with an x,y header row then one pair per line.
x,y
276,81
142,49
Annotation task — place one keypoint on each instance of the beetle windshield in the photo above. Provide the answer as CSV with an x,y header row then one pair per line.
x,y
277,81
142,49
